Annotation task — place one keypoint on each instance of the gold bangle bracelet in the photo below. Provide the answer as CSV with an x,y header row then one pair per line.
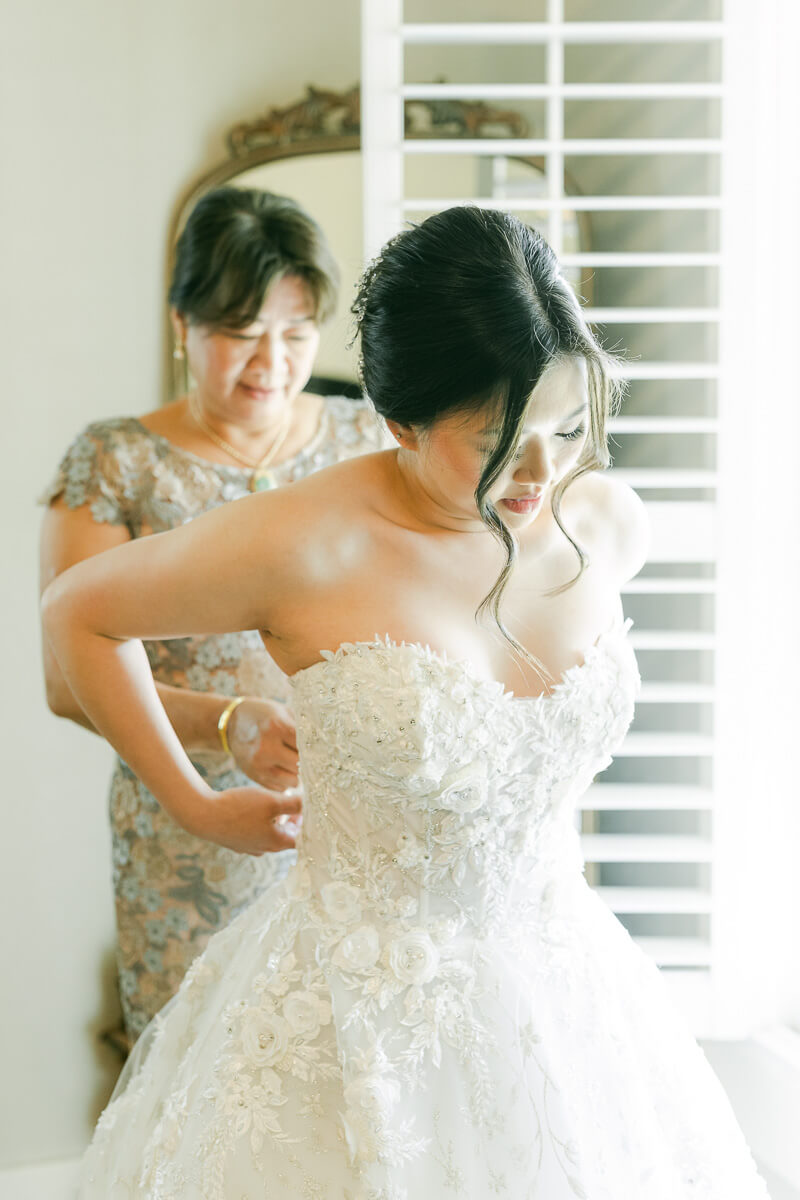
x,y
222,723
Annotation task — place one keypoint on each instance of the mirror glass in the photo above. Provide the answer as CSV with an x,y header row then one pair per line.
x,y
328,186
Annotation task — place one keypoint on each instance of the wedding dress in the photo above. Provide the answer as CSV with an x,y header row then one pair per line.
x,y
433,1004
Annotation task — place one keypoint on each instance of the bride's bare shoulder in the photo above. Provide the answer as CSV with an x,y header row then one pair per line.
x,y
321,516
610,521
361,471
344,491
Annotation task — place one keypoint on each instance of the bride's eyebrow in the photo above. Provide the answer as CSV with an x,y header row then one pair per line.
x,y
578,412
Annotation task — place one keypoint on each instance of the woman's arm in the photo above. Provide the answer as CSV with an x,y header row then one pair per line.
x,y
71,535
217,574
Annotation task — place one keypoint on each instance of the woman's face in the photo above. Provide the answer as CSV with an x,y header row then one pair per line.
x,y
246,375
452,452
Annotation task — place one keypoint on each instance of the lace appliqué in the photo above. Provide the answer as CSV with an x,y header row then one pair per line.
x,y
434,1003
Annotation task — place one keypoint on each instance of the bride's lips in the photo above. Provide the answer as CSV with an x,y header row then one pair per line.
x,y
524,505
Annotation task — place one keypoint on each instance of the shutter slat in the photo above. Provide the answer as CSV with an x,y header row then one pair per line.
x,y
676,952
542,32
680,531
566,91
610,797
664,425
672,639
669,370
656,900
544,146
633,258
644,848
681,587
666,203
677,693
651,316
646,477
666,745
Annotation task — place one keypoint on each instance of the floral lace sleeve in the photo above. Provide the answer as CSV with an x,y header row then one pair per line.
x,y
92,472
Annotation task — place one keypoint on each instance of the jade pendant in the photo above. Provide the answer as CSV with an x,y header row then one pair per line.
x,y
261,481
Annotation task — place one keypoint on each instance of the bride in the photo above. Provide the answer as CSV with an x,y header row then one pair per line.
x,y
433,1003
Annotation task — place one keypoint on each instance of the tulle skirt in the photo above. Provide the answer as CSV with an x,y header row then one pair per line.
x,y
547,1063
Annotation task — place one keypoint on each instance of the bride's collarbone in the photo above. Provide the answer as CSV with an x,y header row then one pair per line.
x,y
358,585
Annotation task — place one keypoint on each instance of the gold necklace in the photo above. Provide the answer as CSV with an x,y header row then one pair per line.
x,y
261,479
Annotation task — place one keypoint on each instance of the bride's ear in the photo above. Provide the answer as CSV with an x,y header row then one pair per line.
x,y
404,435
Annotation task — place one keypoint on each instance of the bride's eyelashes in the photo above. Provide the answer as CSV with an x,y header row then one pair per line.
x,y
572,436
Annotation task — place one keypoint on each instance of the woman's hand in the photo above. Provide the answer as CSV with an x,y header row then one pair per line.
x,y
261,736
248,820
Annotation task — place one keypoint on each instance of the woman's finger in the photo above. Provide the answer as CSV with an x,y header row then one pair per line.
x,y
289,737
287,805
279,756
285,730
275,781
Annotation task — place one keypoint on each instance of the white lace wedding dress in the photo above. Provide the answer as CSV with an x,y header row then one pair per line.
x,y
434,1003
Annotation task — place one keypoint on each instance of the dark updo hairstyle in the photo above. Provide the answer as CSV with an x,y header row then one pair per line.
x,y
236,243
466,311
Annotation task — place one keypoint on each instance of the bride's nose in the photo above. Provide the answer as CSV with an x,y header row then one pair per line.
x,y
536,465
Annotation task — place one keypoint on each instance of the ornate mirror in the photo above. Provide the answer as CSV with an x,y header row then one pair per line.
x,y
310,151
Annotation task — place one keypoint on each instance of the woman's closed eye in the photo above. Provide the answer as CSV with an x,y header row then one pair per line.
x,y
571,436
300,335
238,336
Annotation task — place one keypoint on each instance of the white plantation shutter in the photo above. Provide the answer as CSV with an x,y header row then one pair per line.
x,y
631,112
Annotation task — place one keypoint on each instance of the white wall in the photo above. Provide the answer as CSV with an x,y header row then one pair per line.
x,y
109,112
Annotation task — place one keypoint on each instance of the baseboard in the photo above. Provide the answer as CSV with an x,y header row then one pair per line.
x,y
42,1181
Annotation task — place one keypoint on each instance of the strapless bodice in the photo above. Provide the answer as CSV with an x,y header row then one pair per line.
x,y
430,788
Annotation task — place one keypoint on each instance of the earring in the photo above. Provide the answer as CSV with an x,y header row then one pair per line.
x,y
180,373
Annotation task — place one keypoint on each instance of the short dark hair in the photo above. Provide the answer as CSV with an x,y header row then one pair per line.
x,y
236,243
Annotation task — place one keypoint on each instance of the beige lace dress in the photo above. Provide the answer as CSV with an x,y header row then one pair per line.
x,y
172,890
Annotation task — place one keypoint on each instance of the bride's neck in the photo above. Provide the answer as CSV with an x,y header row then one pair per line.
x,y
424,504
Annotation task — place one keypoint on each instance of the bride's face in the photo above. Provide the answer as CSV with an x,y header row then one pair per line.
x,y
451,454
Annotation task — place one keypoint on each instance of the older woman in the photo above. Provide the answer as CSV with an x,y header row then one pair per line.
x,y
253,280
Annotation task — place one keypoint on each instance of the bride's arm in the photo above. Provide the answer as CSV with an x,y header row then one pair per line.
x,y
219,573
